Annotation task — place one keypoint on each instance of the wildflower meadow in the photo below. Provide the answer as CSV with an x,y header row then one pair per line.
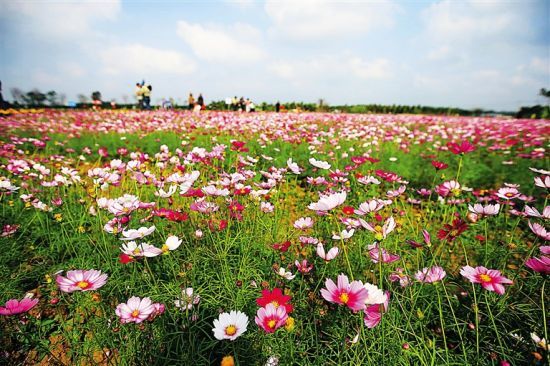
x,y
173,238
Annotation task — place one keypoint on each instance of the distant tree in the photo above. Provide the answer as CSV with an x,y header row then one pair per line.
x,y
35,98
17,95
82,98
51,96
96,95
545,93
62,99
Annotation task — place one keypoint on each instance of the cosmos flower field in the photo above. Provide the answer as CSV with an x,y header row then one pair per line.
x,y
167,238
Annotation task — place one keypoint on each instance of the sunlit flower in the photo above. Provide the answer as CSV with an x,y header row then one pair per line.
x,y
319,163
327,203
508,193
133,249
430,275
172,243
230,325
14,306
134,234
539,230
353,295
490,279
344,234
378,254
81,280
373,313
294,168
327,256
276,298
543,182
380,232
136,310
303,223
376,295
271,317
487,210
287,275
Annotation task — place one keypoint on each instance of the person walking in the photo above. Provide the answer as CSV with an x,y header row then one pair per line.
x,y
146,92
200,101
191,101
139,96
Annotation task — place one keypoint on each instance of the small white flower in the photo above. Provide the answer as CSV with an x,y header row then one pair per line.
x,y
285,274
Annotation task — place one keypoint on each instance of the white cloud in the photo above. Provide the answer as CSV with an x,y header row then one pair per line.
x,y
242,4
340,66
139,59
317,19
234,44
376,69
57,19
72,69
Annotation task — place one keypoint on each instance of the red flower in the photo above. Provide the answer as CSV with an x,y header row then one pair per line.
x,y
238,146
282,247
464,147
387,176
348,210
125,258
276,298
451,232
438,165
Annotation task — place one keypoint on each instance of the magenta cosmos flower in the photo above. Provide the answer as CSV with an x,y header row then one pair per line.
x,y
81,280
14,306
135,310
490,279
271,317
542,264
353,294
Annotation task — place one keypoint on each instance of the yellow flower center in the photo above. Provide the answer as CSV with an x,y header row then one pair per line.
x,y
509,194
165,248
135,313
485,278
83,284
137,251
230,330
271,324
344,297
275,303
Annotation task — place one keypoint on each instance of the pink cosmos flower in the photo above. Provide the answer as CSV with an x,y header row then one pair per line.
x,y
373,313
430,275
353,294
543,182
134,234
539,230
490,279
332,253
327,203
533,212
369,206
378,254
140,250
135,310
508,193
487,210
398,275
380,232
447,188
81,280
271,317
294,168
266,207
303,266
303,223
542,264
14,306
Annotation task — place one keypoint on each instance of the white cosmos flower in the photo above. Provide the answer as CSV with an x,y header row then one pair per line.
x,y
294,168
172,243
329,202
319,163
163,194
332,253
287,275
376,296
230,325
133,234
345,234
140,250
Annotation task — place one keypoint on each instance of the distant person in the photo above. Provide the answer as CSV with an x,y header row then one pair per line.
x,y
241,104
200,101
139,96
277,107
235,104
2,104
191,101
146,92
251,107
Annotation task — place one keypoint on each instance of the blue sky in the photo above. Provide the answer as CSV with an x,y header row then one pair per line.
x,y
486,54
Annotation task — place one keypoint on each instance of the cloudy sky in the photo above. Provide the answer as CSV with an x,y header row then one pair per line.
x,y
478,53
